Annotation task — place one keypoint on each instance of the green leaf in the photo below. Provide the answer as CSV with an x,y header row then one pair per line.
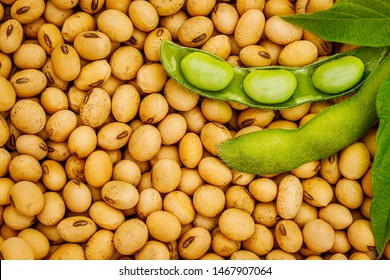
x,y
358,22
380,207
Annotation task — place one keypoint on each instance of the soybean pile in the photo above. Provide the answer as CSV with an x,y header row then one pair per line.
x,y
104,156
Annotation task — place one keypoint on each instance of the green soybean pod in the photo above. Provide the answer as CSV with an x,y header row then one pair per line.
x,y
206,72
272,151
338,75
270,86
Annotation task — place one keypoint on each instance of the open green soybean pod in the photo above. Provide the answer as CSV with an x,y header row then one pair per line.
x,y
172,55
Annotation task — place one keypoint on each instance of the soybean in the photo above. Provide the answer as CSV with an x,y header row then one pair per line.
x,y
261,242
222,245
25,168
53,175
263,189
82,141
179,97
68,251
236,224
100,246
225,18
317,191
361,236
318,235
16,221
249,28
96,40
4,132
16,248
180,204
281,32
354,161
195,31
78,22
349,193
239,197
37,240
270,86
212,74
114,135
120,194
53,210
289,198
127,171
31,56
125,102
98,168
338,75
28,82
95,108
243,5
167,9
6,184
209,200
163,226
305,214
143,15
11,36
255,56
151,77
27,198
214,172
6,65
133,227
265,213
298,53
288,235
115,24
279,254
77,196
150,200
212,134
244,255
194,243
76,229
337,215
106,216
153,250
144,142
66,62
53,100
93,74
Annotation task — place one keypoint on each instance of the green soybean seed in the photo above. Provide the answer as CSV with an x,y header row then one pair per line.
x,y
273,151
338,75
205,72
270,86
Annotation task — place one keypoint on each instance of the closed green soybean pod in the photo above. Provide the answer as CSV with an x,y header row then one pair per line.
x,y
275,151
